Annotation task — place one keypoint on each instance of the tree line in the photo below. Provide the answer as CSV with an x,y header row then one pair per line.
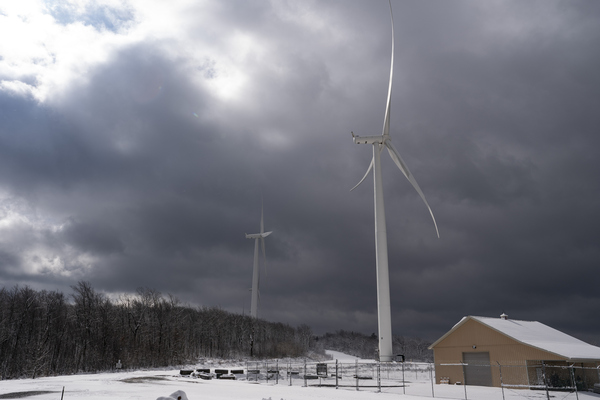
x,y
365,346
48,333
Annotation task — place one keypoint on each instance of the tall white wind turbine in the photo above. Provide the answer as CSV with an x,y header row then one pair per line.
x,y
383,283
255,273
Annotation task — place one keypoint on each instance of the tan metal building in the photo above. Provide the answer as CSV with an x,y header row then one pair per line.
x,y
502,352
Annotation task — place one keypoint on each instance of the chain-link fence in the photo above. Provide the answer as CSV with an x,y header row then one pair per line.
x,y
535,380
543,377
343,375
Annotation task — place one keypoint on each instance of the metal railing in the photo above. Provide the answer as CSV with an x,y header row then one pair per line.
x,y
506,382
357,375
535,376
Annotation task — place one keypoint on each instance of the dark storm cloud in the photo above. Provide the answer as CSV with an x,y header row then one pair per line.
x,y
92,237
142,176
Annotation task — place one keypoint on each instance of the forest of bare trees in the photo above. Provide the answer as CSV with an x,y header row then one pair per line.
x,y
47,333
365,346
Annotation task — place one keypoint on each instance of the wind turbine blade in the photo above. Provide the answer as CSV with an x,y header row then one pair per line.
x,y
386,120
404,168
398,159
364,177
262,223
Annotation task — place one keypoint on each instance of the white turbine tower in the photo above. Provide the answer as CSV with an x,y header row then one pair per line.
x,y
383,283
255,273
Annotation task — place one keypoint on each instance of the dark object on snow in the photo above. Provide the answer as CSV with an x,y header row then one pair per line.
x,y
220,372
186,371
178,395
207,370
18,395
204,375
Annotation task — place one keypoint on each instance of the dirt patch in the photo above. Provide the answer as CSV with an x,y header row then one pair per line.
x,y
141,379
20,395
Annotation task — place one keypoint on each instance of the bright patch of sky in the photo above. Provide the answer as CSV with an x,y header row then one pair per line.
x,y
55,44
44,255
103,15
51,47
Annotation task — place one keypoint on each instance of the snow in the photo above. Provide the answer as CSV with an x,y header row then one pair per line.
x,y
168,383
543,337
341,357
154,384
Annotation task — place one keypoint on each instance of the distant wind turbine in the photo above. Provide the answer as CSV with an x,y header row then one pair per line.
x,y
383,279
255,273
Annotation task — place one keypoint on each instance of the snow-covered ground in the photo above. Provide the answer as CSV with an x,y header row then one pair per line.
x,y
152,384
341,357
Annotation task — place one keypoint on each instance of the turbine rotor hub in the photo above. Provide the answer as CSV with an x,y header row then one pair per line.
x,y
379,139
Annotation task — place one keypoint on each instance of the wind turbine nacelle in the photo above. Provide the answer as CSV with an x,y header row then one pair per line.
x,y
368,139
258,235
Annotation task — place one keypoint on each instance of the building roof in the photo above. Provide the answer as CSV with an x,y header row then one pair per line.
x,y
535,334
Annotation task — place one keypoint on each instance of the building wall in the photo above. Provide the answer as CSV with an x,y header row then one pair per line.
x,y
473,336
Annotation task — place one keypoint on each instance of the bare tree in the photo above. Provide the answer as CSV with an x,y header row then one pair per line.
x,y
42,333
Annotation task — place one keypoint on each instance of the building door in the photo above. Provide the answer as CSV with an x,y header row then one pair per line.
x,y
478,371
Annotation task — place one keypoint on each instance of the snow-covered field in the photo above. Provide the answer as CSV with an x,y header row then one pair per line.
x,y
151,384
341,357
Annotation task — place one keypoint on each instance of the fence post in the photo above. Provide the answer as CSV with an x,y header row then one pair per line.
x,y
336,373
501,381
277,372
388,371
267,370
545,380
378,377
305,383
356,373
573,380
431,377
403,383
247,372
290,372
464,379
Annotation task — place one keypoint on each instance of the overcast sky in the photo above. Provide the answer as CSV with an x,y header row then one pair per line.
x,y
138,137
